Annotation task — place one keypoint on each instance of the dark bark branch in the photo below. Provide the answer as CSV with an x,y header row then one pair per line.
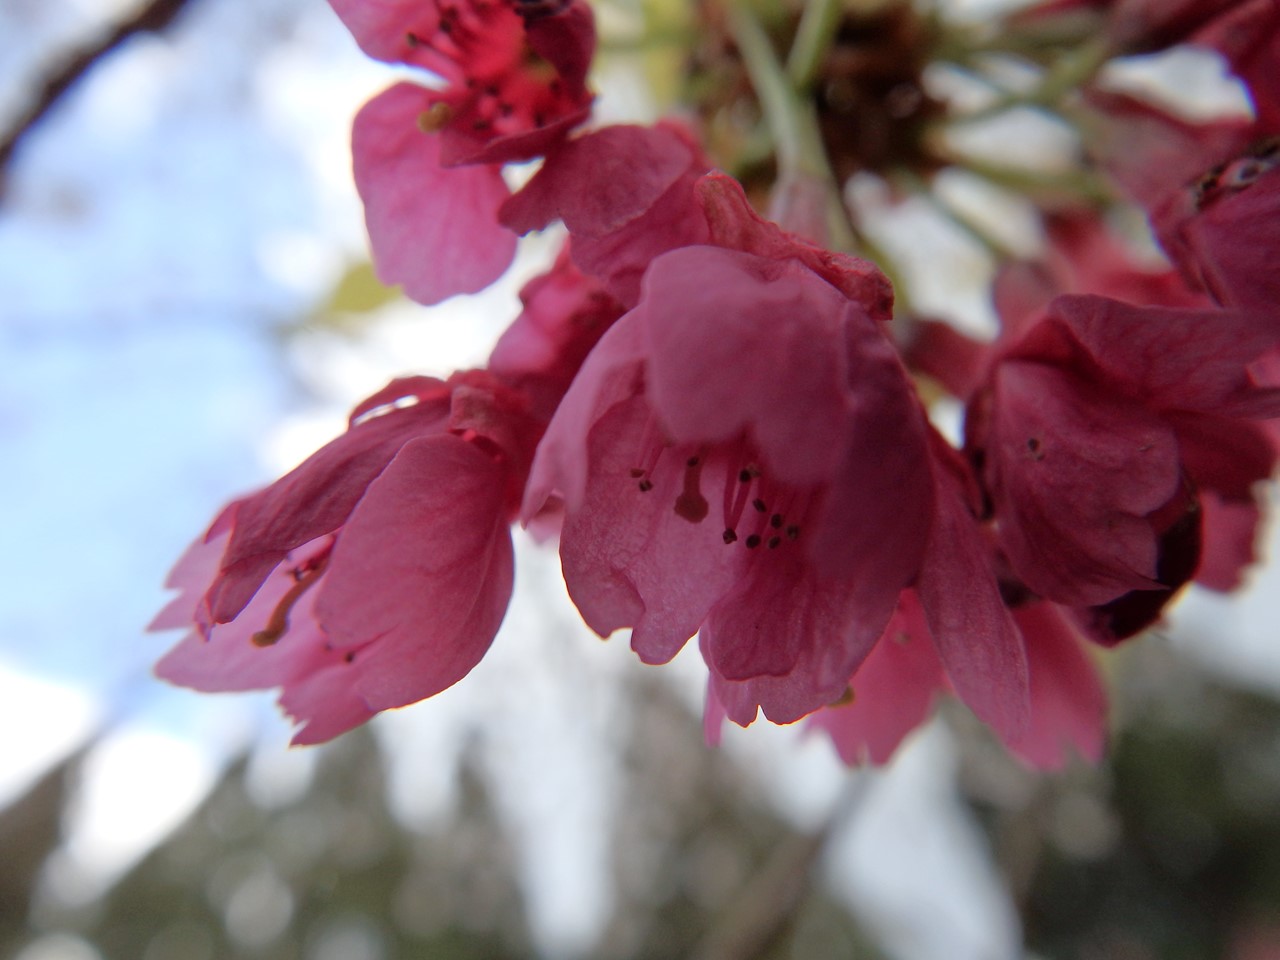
x,y
153,16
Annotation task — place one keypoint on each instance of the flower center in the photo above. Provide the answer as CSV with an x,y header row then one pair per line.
x,y
756,511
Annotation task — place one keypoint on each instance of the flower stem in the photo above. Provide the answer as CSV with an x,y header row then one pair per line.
x,y
793,123
813,39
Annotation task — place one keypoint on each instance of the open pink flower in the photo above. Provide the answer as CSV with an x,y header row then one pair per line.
x,y
428,160
374,574
741,453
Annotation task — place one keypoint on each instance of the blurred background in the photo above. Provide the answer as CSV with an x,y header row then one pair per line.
x,y
186,310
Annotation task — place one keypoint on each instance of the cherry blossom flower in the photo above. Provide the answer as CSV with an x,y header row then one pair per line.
x,y
373,575
428,159
754,383
1093,433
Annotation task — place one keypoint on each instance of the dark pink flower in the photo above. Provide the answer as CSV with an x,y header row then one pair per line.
x,y
514,72
373,575
1223,231
741,453
428,160
1092,436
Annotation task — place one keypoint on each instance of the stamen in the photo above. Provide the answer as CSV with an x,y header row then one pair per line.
x,y
278,623
435,118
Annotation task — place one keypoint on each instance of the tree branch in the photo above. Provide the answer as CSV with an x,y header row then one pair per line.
x,y
152,17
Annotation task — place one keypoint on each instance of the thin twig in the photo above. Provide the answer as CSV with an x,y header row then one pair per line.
x,y
151,18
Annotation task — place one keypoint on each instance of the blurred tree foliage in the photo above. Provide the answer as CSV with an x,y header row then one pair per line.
x,y
704,869
1170,850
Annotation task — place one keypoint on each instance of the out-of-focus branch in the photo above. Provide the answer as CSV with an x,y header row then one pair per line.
x,y
151,17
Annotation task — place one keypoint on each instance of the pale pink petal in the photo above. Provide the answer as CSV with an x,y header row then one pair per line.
x,y
1068,702
891,694
434,230
313,499
420,577
629,559
967,618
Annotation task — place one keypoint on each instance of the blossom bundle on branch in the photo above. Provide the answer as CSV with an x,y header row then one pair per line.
x,y
729,424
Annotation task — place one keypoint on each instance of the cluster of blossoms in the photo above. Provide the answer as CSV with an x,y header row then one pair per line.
x,y
721,418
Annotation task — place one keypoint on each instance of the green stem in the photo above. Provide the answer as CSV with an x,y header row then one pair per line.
x,y
814,36
791,120
1072,71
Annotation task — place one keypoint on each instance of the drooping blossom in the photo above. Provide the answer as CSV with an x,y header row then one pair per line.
x,y
373,575
742,455
1093,434
428,160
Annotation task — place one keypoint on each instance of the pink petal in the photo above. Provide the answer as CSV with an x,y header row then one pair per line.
x,y
786,640
420,577
1170,358
892,692
1231,530
967,618
433,229
313,499
629,559
599,182
1075,473
229,659
1068,702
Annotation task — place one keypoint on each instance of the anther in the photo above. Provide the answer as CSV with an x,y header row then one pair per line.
x,y
435,118
645,485
730,535
753,541
759,505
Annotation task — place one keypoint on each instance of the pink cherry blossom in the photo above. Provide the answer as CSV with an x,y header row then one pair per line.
x,y
1093,433
373,575
428,160
741,453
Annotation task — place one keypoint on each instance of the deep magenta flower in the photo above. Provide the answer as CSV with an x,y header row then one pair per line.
x,y
743,455
428,160
373,575
1224,229
1096,430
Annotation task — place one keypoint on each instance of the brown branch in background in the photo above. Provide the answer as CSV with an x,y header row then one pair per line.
x,y
152,17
